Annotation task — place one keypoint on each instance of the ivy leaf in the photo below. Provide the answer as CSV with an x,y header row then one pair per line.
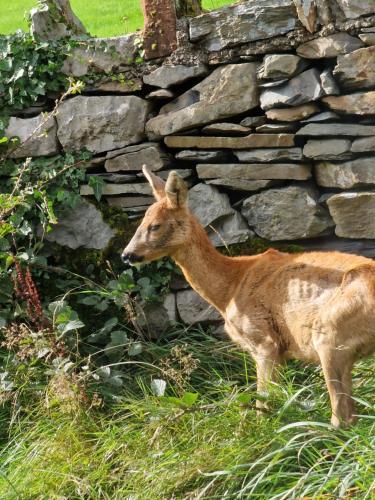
x,y
70,325
135,348
97,184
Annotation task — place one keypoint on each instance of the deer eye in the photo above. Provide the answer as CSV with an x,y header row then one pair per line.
x,y
154,227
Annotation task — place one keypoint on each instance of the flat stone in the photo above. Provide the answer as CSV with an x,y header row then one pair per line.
x,y
201,156
322,117
253,121
301,89
182,172
277,66
287,214
231,129
134,157
356,70
229,90
167,76
101,55
129,201
329,46
329,84
363,145
367,38
241,23
208,204
250,141
353,214
242,184
126,86
229,230
81,227
116,189
353,104
101,123
254,171
369,29
269,155
273,83
326,129
193,309
276,128
115,178
160,94
348,175
328,149
33,142
292,114
356,8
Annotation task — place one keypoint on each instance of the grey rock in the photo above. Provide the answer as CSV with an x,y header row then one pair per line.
x,y
348,175
253,121
54,19
369,29
329,46
37,136
286,214
227,91
229,230
277,66
134,157
242,184
363,145
327,129
361,103
129,201
160,94
329,85
115,178
193,309
201,156
353,214
231,129
81,227
208,204
356,8
167,76
156,317
184,173
254,171
241,23
356,70
328,149
102,55
292,114
276,128
273,83
249,141
367,38
114,86
101,123
116,189
326,116
301,89
269,155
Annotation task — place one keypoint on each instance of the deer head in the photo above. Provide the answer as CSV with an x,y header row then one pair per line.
x,y
165,227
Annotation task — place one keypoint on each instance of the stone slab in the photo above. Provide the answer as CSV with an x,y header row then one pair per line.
x,y
253,171
329,46
353,214
363,145
192,155
329,129
133,158
242,184
328,149
356,71
116,189
351,174
250,141
361,103
269,155
292,114
167,76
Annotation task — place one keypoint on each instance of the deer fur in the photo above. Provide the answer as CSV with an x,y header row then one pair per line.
x,y
318,307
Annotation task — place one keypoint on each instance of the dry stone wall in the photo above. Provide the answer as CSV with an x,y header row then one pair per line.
x,y
266,108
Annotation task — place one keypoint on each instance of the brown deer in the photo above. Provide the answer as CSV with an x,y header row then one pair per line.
x,y
317,307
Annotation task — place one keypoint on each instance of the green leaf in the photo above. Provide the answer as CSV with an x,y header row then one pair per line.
x,y
70,325
135,348
97,184
189,398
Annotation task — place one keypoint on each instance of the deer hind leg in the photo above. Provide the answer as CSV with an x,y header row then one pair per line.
x,y
337,374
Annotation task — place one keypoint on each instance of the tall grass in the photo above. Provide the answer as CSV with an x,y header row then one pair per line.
x,y
173,446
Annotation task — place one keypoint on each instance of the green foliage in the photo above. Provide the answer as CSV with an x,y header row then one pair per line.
x,y
29,70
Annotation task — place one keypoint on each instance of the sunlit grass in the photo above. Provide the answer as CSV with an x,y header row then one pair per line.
x,y
109,18
147,447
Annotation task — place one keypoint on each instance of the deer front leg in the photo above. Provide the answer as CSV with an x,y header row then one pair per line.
x,y
266,373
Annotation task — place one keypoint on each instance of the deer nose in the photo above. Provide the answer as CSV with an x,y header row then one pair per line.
x,y
130,258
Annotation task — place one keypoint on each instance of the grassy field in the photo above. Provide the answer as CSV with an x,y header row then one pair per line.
x,y
202,440
109,18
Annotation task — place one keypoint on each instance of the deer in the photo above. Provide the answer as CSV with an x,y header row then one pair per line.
x,y
318,307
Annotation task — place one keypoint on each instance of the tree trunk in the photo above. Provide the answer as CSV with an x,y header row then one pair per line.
x,y
159,30
188,8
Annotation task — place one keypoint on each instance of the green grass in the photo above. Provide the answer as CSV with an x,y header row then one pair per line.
x,y
109,18
147,447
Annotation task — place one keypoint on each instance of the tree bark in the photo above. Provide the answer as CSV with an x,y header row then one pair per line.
x,y
159,30
188,8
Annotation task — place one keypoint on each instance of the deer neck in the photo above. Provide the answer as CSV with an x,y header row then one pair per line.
x,y
212,275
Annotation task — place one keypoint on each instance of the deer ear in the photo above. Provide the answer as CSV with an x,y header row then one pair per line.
x,y
157,184
176,191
